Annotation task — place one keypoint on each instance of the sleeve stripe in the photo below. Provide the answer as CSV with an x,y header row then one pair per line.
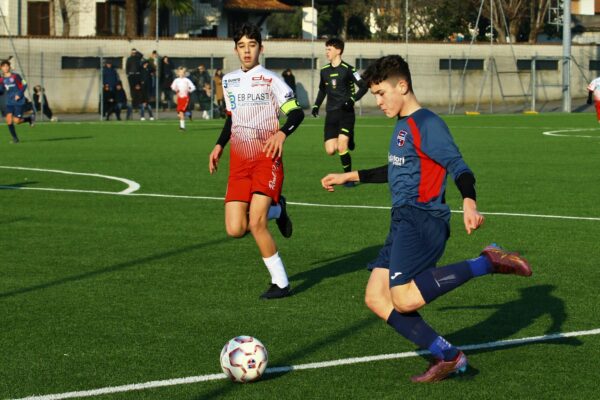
x,y
291,104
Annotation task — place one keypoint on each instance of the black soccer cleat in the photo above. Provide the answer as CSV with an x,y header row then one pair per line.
x,y
351,144
284,223
275,292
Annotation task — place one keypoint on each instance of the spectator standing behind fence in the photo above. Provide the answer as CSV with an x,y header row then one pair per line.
x,y
199,77
108,101
110,75
206,100
289,79
146,77
121,102
40,101
218,85
139,100
166,79
133,67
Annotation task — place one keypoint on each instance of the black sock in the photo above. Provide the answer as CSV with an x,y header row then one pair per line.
x,y
346,160
13,131
436,282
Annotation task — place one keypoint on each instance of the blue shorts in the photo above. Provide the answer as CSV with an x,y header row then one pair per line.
x,y
15,110
415,243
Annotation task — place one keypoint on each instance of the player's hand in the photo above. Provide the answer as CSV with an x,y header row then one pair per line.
x,y
472,218
274,146
315,111
17,97
329,181
213,158
348,105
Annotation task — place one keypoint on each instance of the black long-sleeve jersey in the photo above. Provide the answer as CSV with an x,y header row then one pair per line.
x,y
337,83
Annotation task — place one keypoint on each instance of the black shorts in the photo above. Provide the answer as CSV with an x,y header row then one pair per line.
x,y
339,121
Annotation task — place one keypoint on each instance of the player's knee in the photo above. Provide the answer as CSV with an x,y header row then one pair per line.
x,y
404,305
330,151
236,231
257,224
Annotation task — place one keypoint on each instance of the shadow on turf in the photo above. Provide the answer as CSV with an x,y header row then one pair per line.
x,y
113,268
17,185
511,317
293,357
334,267
59,139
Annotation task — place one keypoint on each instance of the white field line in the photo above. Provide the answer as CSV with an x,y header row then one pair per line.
x,y
560,133
131,185
355,206
325,364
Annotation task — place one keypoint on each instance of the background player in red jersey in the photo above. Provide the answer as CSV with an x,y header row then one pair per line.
x,y
254,97
183,87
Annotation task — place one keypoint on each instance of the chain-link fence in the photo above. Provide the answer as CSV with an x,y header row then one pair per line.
x,y
452,78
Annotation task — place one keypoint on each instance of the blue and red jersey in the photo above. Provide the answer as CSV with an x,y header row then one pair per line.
x,y
422,153
13,86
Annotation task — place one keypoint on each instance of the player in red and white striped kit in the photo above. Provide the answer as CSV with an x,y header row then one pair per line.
x,y
254,97
182,86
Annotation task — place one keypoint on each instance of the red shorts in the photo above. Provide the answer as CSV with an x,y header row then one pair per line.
x,y
247,177
182,103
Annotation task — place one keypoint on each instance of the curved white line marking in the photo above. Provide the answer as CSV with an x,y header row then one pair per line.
x,y
558,133
132,186
316,365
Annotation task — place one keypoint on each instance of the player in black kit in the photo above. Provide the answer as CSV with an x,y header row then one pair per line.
x,y
337,83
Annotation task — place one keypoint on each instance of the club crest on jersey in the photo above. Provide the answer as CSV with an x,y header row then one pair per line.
x,y
401,138
261,81
334,83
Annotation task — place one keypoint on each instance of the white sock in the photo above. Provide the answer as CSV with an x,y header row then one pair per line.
x,y
274,211
182,123
277,270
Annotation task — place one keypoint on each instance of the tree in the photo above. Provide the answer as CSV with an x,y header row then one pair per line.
x,y
537,13
131,18
176,7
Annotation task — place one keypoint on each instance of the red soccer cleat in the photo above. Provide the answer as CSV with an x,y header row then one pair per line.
x,y
440,369
504,262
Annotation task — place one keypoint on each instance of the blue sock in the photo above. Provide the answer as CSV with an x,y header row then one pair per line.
x,y
436,282
13,132
274,211
480,266
413,328
442,349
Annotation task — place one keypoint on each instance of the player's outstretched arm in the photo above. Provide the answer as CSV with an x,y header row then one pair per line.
x,y
329,181
214,157
472,218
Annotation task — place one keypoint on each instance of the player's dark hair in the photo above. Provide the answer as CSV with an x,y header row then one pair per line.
x,y
335,42
4,62
249,30
387,67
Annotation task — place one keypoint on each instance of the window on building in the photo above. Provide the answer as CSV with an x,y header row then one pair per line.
x,y
110,18
38,18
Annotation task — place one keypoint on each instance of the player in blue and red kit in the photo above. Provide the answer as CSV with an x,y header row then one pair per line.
x,y
13,86
404,277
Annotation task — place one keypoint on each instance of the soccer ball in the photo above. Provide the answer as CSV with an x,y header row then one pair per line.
x,y
244,359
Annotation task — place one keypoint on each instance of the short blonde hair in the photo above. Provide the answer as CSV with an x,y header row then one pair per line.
x,y
181,71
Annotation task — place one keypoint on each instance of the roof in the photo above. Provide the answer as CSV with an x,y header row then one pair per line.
x,y
257,5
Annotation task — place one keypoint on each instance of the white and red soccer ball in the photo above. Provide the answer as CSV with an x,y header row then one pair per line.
x,y
244,359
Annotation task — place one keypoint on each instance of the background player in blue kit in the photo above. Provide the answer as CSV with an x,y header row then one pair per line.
x,y
13,86
337,83
403,277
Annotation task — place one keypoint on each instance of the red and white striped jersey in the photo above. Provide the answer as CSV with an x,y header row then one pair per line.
x,y
254,99
183,87
594,86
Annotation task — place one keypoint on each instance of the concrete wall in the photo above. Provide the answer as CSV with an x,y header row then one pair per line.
x,y
78,90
